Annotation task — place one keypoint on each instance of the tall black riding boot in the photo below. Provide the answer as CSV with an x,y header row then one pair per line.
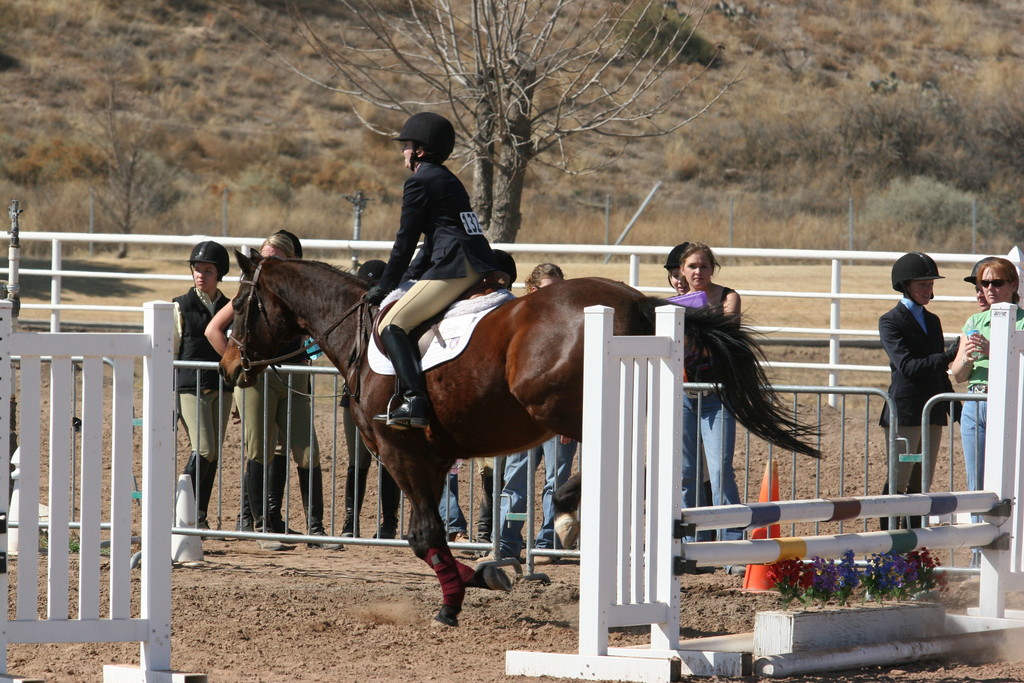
x,y
278,473
311,485
254,485
245,522
254,493
202,482
483,525
390,499
355,490
405,358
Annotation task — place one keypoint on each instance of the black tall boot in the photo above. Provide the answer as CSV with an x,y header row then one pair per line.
x,y
355,491
278,473
311,485
245,518
254,493
202,482
405,358
483,525
390,499
254,490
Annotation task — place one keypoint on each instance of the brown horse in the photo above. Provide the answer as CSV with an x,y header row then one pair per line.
x,y
519,381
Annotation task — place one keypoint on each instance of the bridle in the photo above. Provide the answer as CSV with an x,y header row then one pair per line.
x,y
254,303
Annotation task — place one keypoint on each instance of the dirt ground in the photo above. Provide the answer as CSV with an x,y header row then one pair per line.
x,y
365,614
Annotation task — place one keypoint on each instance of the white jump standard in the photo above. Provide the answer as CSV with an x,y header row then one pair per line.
x,y
631,547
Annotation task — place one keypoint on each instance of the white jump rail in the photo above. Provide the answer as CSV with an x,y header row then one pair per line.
x,y
630,553
89,620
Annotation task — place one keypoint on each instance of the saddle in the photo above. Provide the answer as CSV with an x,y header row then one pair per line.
x,y
426,332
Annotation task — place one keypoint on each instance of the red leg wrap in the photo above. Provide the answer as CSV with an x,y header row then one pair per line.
x,y
451,573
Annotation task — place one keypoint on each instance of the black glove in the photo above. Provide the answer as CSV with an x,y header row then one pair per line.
x,y
950,353
375,295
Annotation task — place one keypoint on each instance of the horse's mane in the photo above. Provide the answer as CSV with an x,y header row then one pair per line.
x,y
336,270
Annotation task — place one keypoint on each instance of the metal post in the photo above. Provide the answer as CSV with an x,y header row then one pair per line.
x,y
607,216
92,216
224,212
732,222
55,282
359,201
974,226
835,323
851,223
13,258
636,216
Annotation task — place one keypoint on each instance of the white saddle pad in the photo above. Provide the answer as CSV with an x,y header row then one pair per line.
x,y
452,333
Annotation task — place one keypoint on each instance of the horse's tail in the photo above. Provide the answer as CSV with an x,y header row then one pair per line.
x,y
735,359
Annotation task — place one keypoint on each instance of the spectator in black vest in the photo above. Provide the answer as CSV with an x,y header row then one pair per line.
x,y
202,406
277,417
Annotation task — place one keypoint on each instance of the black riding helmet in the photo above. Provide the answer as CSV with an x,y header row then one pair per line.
x,y
431,131
676,255
973,277
913,266
211,252
296,244
371,271
505,263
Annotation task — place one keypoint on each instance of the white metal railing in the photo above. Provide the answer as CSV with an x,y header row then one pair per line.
x,y
833,293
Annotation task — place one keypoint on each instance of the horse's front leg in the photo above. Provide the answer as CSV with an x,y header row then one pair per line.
x,y
428,540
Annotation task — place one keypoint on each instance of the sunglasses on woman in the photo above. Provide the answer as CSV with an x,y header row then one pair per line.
x,y
991,283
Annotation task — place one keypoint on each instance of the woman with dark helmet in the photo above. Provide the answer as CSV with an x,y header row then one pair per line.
x,y
674,268
200,405
455,256
918,360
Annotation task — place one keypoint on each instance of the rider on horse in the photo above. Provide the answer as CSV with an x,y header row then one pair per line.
x,y
455,256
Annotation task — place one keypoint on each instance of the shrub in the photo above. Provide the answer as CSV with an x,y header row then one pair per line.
x,y
649,31
928,208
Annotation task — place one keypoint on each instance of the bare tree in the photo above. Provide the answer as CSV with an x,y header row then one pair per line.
x,y
138,181
518,77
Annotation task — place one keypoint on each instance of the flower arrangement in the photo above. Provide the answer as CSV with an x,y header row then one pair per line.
x,y
888,575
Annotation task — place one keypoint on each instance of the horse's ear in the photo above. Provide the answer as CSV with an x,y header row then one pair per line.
x,y
245,263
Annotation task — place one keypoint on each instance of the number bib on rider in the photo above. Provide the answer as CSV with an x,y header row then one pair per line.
x,y
470,223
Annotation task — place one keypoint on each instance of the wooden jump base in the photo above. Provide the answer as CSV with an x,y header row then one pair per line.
x,y
631,547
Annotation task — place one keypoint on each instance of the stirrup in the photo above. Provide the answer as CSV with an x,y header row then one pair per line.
x,y
399,418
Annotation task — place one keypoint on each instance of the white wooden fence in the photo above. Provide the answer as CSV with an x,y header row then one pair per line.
x,y
105,461
630,550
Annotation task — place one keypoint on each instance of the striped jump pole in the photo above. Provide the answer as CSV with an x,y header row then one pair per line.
x,y
767,551
755,515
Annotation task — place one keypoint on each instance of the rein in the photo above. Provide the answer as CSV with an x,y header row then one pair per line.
x,y
352,382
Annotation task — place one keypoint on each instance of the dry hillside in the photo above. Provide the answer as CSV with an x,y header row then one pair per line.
x,y
910,110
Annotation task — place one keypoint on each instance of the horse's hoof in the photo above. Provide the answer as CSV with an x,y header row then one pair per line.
x,y
567,526
448,616
489,575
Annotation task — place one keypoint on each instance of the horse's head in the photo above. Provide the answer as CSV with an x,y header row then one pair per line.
x,y
264,324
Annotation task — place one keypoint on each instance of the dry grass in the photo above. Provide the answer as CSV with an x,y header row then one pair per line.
x,y
780,145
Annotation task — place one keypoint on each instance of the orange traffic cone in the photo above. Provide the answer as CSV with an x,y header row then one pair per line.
x,y
756,577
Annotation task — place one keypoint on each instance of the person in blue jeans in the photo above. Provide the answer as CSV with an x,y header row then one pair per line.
x,y
706,421
558,453
451,513
998,280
